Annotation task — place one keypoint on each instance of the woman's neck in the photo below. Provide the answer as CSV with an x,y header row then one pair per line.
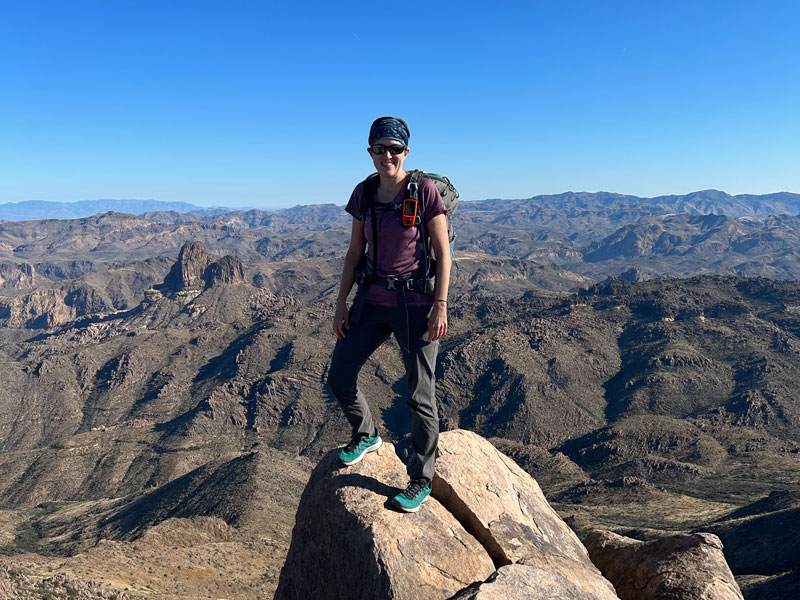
x,y
390,186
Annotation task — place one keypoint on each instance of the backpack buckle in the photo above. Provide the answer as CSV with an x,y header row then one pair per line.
x,y
390,284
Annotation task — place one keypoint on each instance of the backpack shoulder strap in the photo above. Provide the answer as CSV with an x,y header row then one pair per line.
x,y
370,186
412,187
412,191
368,205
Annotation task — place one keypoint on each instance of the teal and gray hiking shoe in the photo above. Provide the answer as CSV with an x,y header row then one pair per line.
x,y
414,495
358,447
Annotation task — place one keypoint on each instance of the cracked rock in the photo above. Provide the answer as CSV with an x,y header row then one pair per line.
x,y
522,582
485,513
504,508
349,543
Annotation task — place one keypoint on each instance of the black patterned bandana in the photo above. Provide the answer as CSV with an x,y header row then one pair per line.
x,y
388,129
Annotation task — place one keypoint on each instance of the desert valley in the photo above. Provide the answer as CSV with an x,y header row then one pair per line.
x,y
164,405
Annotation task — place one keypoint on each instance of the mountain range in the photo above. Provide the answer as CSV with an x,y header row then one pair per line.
x,y
576,238
701,202
31,210
164,401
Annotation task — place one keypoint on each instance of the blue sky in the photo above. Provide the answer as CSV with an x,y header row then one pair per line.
x,y
268,104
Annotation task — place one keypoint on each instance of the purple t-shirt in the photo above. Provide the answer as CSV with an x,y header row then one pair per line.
x,y
400,251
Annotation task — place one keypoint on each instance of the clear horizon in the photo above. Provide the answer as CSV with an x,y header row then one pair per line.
x,y
268,105
245,206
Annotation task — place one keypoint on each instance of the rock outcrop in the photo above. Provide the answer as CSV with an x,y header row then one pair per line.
x,y
196,268
676,567
486,513
348,543
505,509
18,585
227,270
188,270
49,307
17,276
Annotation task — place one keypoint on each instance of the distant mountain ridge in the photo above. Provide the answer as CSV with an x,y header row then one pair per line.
x,y
700,202
31,210
696,203
681,243
741,205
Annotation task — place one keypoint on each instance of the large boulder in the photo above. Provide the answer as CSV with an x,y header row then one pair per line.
x,y
485,514
676,567
500,503
505,509
348,543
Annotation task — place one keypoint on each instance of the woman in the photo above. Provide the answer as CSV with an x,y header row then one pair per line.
x,y
392,298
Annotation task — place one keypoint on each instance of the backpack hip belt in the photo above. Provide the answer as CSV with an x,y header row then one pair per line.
x,y
423,285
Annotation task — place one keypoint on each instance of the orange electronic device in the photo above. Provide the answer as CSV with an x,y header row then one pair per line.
x,y
409,212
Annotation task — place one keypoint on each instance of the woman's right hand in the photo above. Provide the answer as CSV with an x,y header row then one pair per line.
x,y
341,320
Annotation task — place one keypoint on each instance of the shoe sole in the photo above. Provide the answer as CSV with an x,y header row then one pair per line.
x,y
372,448
411,510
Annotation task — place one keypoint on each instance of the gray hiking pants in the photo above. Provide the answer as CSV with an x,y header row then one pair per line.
x,y
374,326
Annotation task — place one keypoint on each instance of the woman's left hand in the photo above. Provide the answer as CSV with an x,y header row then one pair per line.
x,y
437,321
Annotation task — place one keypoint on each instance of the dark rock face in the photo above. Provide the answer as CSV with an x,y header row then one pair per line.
x,y
188,271
197,269
764,538
257,492
485,513
227,270
673,568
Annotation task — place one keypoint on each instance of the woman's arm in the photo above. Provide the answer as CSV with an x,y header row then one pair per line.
x,y
437,321
358,241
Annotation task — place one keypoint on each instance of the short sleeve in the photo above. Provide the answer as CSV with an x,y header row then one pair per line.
x,y
354,205
432,203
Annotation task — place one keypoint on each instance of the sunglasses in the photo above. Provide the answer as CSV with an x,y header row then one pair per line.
x,y
381,149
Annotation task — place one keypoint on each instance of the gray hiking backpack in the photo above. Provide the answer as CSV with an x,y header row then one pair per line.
x,y
447,191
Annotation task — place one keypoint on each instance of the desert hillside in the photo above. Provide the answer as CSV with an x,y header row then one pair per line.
x,y
164,403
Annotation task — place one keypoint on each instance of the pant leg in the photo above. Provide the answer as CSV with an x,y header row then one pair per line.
x,y
420,364
349,355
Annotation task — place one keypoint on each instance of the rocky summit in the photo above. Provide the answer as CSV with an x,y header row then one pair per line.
x,y
487,532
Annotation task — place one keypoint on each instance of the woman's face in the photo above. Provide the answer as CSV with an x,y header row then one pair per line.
x,y
388,164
